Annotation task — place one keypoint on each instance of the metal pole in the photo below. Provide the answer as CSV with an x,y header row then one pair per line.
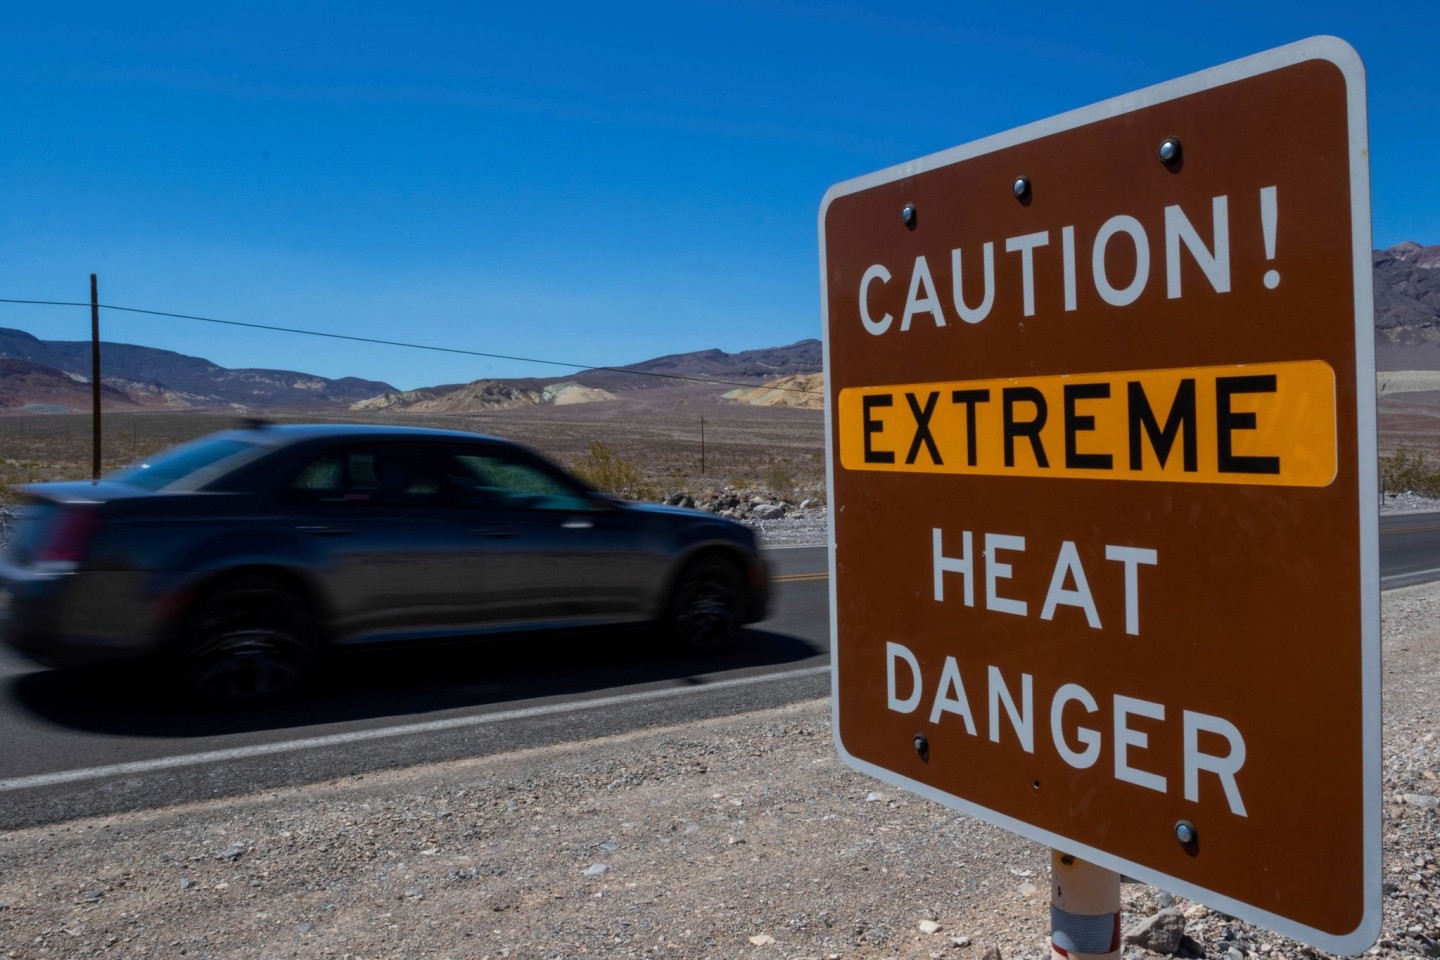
x,y
1084,910
95,376
702,446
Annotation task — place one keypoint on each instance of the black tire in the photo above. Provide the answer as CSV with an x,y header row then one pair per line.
x,y
706,605
248,640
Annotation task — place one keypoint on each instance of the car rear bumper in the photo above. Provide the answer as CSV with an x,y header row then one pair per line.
x,y
71,619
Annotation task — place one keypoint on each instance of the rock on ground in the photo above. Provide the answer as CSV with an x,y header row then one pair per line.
x,y
1159,933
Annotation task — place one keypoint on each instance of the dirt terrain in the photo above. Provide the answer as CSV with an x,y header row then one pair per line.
x,y
660,431
1411,421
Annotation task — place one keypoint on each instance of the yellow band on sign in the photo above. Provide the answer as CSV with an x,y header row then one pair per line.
x,y
1271,424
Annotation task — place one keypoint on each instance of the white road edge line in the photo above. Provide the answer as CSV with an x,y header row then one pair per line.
x,y
1408,575
433,726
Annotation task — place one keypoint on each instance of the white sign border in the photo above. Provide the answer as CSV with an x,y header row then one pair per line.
x,y
1344,57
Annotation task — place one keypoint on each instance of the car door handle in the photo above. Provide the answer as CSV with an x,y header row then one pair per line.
x,y
577,525
321,531
493,534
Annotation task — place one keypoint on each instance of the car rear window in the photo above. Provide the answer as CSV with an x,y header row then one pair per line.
x,y
165,469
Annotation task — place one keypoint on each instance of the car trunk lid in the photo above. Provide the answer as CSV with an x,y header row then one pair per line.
x,y
57,521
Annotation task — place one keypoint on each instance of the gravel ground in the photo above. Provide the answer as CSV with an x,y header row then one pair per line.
x,y
742,837
800,528
1407,503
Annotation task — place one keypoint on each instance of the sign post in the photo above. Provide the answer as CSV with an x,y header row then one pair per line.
x,y
1084,909
1101,451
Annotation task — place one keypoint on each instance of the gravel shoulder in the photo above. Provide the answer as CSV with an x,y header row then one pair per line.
x,y
739,837
1406,502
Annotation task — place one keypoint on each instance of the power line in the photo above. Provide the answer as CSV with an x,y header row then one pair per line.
x,y
400,343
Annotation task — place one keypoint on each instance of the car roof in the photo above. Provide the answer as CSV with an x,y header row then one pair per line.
x,y
284,433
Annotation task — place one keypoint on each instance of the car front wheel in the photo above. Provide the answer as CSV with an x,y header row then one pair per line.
x,y
248,640
705,608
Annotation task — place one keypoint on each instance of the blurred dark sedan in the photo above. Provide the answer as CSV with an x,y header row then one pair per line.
x,y
237,559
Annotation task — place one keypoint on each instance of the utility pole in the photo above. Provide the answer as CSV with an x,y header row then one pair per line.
x,y
702,446
95,376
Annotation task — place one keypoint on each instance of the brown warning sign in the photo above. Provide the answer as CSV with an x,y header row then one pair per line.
x,y
1177,675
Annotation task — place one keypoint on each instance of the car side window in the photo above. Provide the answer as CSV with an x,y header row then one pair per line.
x,y
320,476
500,479
387,474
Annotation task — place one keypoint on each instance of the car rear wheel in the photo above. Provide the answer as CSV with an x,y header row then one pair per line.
x,y
705,607
248,640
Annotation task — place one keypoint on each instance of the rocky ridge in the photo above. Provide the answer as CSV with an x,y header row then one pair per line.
x,y
1407,307
482,395
746,504
35,387
804,390
778,366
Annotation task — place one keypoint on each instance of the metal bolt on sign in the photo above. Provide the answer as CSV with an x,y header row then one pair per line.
x,y
1169,150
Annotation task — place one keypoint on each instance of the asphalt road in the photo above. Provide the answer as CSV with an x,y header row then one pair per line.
x,y
1409,549
82,745
103,743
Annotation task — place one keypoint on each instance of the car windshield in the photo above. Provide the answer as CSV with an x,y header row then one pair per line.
x,y
166,468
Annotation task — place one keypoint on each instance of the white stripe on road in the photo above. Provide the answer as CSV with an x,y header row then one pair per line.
x,y
1432,572
360,736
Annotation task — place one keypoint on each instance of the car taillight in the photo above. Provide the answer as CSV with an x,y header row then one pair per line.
x,y
72,532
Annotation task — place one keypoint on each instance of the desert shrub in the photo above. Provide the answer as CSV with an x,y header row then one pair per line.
x,y
779,478
811,485
1405,471
603,470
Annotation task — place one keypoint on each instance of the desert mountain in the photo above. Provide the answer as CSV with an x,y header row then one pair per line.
x,y
1407,307
154,377
47,390
54,377
804,356
679,369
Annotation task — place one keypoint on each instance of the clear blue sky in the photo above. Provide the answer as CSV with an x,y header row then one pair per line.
x,y
601,183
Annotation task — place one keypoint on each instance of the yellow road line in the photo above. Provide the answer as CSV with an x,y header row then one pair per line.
x,y
1394,530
